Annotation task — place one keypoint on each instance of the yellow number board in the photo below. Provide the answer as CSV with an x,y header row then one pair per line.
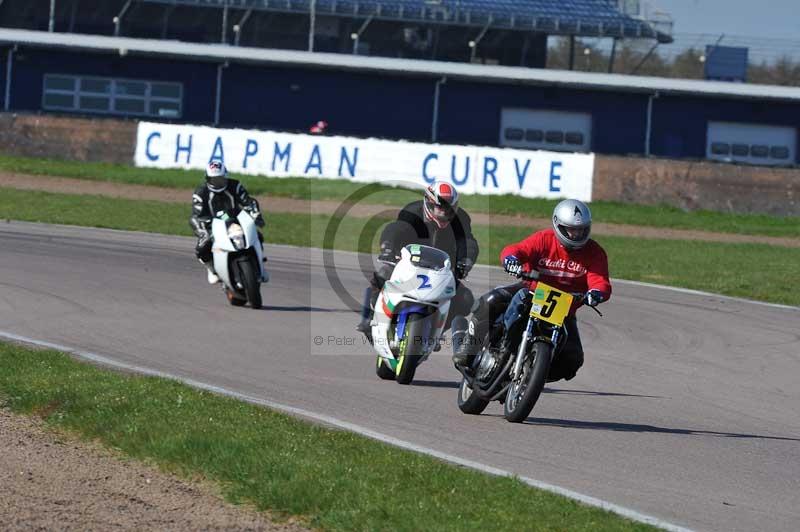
x,y
550,304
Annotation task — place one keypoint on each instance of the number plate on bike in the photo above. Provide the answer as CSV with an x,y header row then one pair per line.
x,y
550,304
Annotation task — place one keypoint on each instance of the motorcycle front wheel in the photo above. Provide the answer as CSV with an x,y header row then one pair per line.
x,y
411,348
251,285
525,391
383,371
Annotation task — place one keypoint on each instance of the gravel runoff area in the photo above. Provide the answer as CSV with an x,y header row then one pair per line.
x,y
289,205
49,481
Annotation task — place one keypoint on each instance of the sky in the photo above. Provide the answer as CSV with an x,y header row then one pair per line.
x,y
770,28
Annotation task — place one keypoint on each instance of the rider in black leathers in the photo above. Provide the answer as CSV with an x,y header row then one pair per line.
x,y
218,193
435,221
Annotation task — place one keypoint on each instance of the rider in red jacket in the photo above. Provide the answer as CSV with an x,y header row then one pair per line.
x,y
565,258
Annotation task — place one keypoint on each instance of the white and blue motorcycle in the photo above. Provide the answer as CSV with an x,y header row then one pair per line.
x,y
411,311
238,257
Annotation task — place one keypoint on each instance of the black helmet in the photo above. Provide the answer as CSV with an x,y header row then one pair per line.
x,y
216,176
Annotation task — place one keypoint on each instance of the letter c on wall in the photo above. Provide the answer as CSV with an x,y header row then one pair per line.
x,y
429,158
150,156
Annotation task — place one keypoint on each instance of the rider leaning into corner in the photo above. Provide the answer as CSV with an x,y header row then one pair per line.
x,y
567,259
218,193
434,221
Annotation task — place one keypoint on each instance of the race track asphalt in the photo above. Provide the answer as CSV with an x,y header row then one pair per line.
x,y
688,407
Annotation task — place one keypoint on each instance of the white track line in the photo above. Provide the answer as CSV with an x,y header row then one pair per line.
x,y
369,433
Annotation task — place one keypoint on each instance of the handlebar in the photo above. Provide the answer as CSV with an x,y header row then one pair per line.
x,y
533,275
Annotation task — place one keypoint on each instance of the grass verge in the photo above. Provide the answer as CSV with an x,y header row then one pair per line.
x,y
714,267
335,479
327,189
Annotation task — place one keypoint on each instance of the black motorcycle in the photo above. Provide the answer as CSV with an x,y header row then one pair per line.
x,y
518,379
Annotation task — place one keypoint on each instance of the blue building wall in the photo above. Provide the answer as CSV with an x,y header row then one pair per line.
x,y
680,122
394,106
199,79
470,113
3,68
352,103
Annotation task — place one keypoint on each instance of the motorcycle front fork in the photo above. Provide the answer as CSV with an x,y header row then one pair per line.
x,y
523,347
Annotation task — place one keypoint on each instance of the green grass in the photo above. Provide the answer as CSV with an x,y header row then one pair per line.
x,y
300,188
715,267
336,480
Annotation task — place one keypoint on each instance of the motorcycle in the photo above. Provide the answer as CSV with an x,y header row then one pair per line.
x,y
411,311
238,257
517,379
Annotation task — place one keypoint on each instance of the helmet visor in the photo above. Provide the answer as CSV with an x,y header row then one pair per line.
x,y
442,212
574,234
217,181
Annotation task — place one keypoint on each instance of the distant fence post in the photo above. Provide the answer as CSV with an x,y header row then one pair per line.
x,y
9,70
435,120
51,25
218,98
311,25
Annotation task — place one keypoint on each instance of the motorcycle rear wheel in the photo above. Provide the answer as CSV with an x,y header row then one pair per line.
x,y
468,400
523,394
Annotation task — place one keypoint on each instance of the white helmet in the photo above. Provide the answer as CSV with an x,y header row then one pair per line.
x,y
572,222
216,176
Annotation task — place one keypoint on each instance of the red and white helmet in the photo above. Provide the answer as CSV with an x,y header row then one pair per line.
x,y
441,203
216,176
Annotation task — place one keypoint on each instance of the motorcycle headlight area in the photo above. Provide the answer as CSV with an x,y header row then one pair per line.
x,y
236,234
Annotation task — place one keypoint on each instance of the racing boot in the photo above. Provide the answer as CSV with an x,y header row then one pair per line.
x,y
364,326
466,343
212,274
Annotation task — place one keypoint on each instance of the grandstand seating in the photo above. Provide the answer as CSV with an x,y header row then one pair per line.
x,y
509,32
571,17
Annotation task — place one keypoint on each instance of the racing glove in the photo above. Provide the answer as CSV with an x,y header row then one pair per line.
x,y
387,253
254,211
463,267
512,265
593,298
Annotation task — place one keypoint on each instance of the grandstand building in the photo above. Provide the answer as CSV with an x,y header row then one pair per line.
x,y
505,32
213,62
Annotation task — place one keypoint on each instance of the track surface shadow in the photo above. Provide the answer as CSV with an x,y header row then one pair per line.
x,y
636,427
285,308
436,384
600,394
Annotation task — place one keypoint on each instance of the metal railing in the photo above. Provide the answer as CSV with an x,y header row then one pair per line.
x,y
621,26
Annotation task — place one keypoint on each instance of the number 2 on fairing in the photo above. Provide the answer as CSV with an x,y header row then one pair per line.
x,y
425,282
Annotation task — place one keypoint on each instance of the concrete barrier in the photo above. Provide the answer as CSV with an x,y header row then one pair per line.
x,y
79,139
694,185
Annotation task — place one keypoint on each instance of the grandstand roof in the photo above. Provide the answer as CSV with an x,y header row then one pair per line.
x,y
399,67
567,17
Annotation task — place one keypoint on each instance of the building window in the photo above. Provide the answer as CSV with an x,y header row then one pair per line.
x,y
534,135
541,129
574,137
513,133
112,96
720,148
554,137
762,144
779,152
